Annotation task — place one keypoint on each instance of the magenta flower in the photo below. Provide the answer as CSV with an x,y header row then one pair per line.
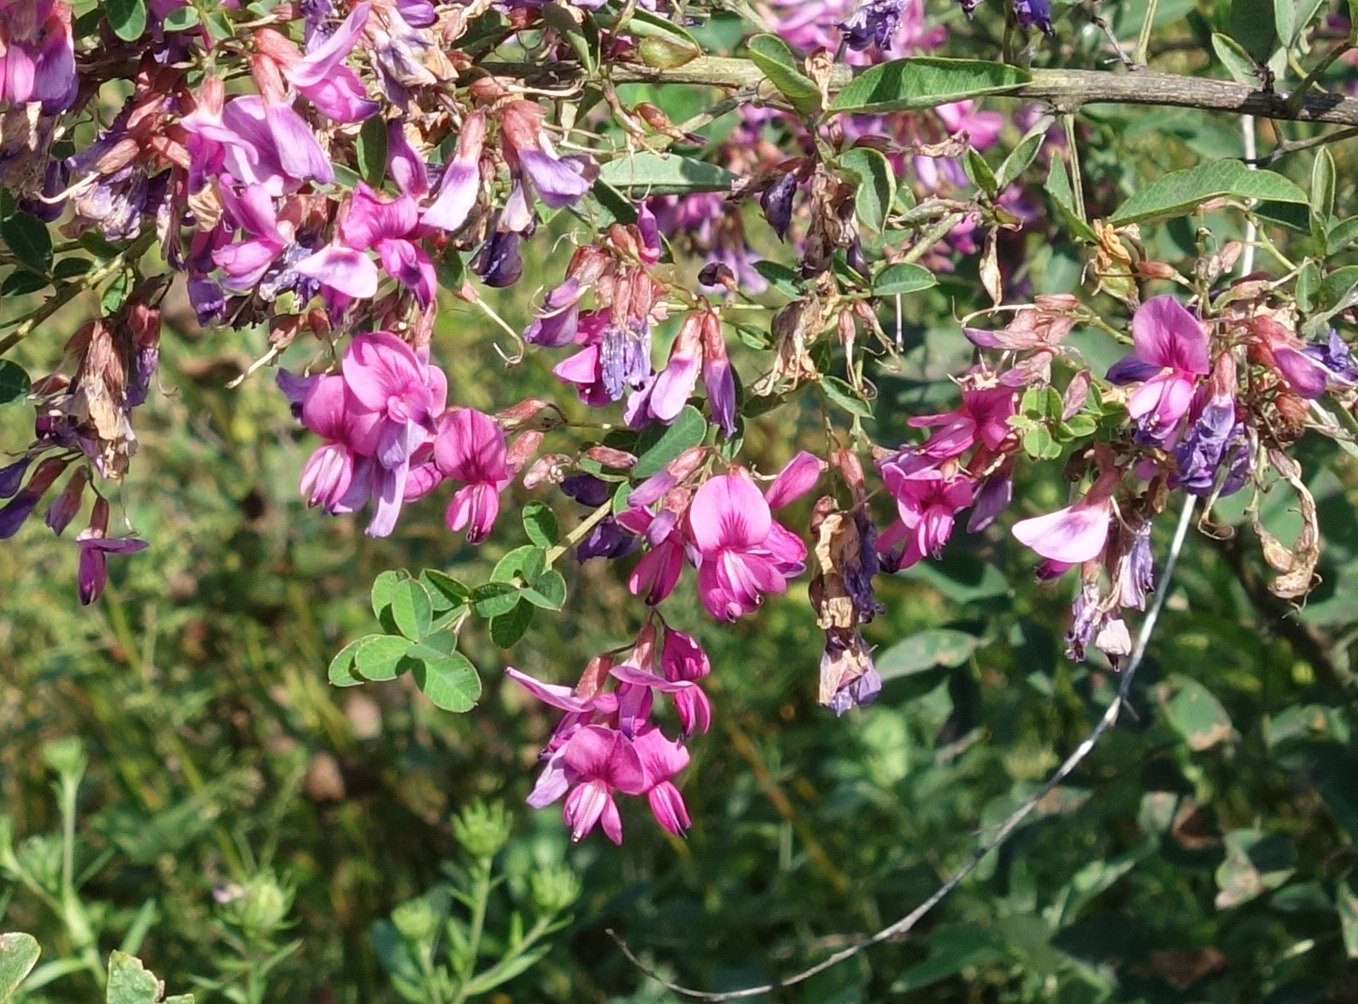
x,y
718,380
661,759
37,63
585,369
1169,355
246,261
743,552
461,181
470,447
392,399
600,761
1077,533
683,659
336,477
320,75
387,227
95,548
983,416
658,571
928,495
664,397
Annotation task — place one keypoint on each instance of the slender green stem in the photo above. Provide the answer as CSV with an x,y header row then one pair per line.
x,y
492,976
481,896
1077,181
1143,40
578,534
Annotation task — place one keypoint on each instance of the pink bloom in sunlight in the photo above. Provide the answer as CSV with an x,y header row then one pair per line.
x,y
658,571
335,477
661,759
982,128
400,394
983,415
584,370
743,552
683,659
470,447
928,497
321,75
664,397
1168,358
600,761
461,181
387,227
1075,534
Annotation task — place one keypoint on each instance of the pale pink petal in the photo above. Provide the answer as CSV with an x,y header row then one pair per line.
x,y
345,270
1072,535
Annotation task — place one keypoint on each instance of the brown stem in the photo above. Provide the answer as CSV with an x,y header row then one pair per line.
x,y
1066,90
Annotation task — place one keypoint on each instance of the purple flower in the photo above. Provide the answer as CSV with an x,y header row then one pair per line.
x,y
461,181
1335,355
1170,355
624,356
94,550
470,447
499,263
1032,13
874,21
558,318
1216,445
776,202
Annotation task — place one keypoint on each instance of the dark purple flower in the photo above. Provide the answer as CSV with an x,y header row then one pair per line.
x,y
1034,13
606,540
498,263
874,21
208,301
1215,443
777,203
587,489
12,477
558,319
1136,572
1334,354
625,357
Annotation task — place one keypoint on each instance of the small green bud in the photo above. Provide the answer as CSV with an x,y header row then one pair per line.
x,y
554,888
40,858
261,908
416,919
65,756
482,830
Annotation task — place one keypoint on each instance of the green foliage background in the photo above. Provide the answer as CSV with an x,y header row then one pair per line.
x,y
1203,853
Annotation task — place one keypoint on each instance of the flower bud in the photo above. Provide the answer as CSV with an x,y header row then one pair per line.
x,y
553,888
482,830
415,919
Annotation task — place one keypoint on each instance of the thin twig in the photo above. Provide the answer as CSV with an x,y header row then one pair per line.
x,y
1293,146
999,836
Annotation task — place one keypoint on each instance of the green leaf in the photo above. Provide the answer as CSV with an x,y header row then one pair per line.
x,y
29,239
494,598
372,151
659,444
844,395
71,267
876,191
526,562
444,591
980,173
903,277
1253,23
509,627
112,299
1322,184
450,683
772,55
648,173
1346,903
1182,192
411,609
18,955
925,83
1308,281
127,18
341,671
925,650
378,657
1024,153
129,982
384,589
1255,863
1058,187
181,19
667,53
1302,14
539,523
786,281
1239,63
1197,715
21,282
1342,234
548,592
14,382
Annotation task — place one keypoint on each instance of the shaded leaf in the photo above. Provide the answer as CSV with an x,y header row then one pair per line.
x,y
934,647
127,18
772,55
129,982
925,83
659,174
14,382
1197,715
1180,193
659,444
539,522
876,185
903,277
507,628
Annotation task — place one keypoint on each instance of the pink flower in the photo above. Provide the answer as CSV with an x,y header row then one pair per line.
x,y
461,181
928,495
658,571
1169,355
94,551
600,761
1077,533
321,75
664,397
983,415
743,552
387,227
470,447
661,759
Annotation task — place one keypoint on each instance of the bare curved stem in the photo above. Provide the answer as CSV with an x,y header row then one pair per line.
x,y
999,836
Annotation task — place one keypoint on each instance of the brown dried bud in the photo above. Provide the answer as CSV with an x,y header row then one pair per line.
x,y
517,414
522,449
594,677
610,457
1154,270
550,469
